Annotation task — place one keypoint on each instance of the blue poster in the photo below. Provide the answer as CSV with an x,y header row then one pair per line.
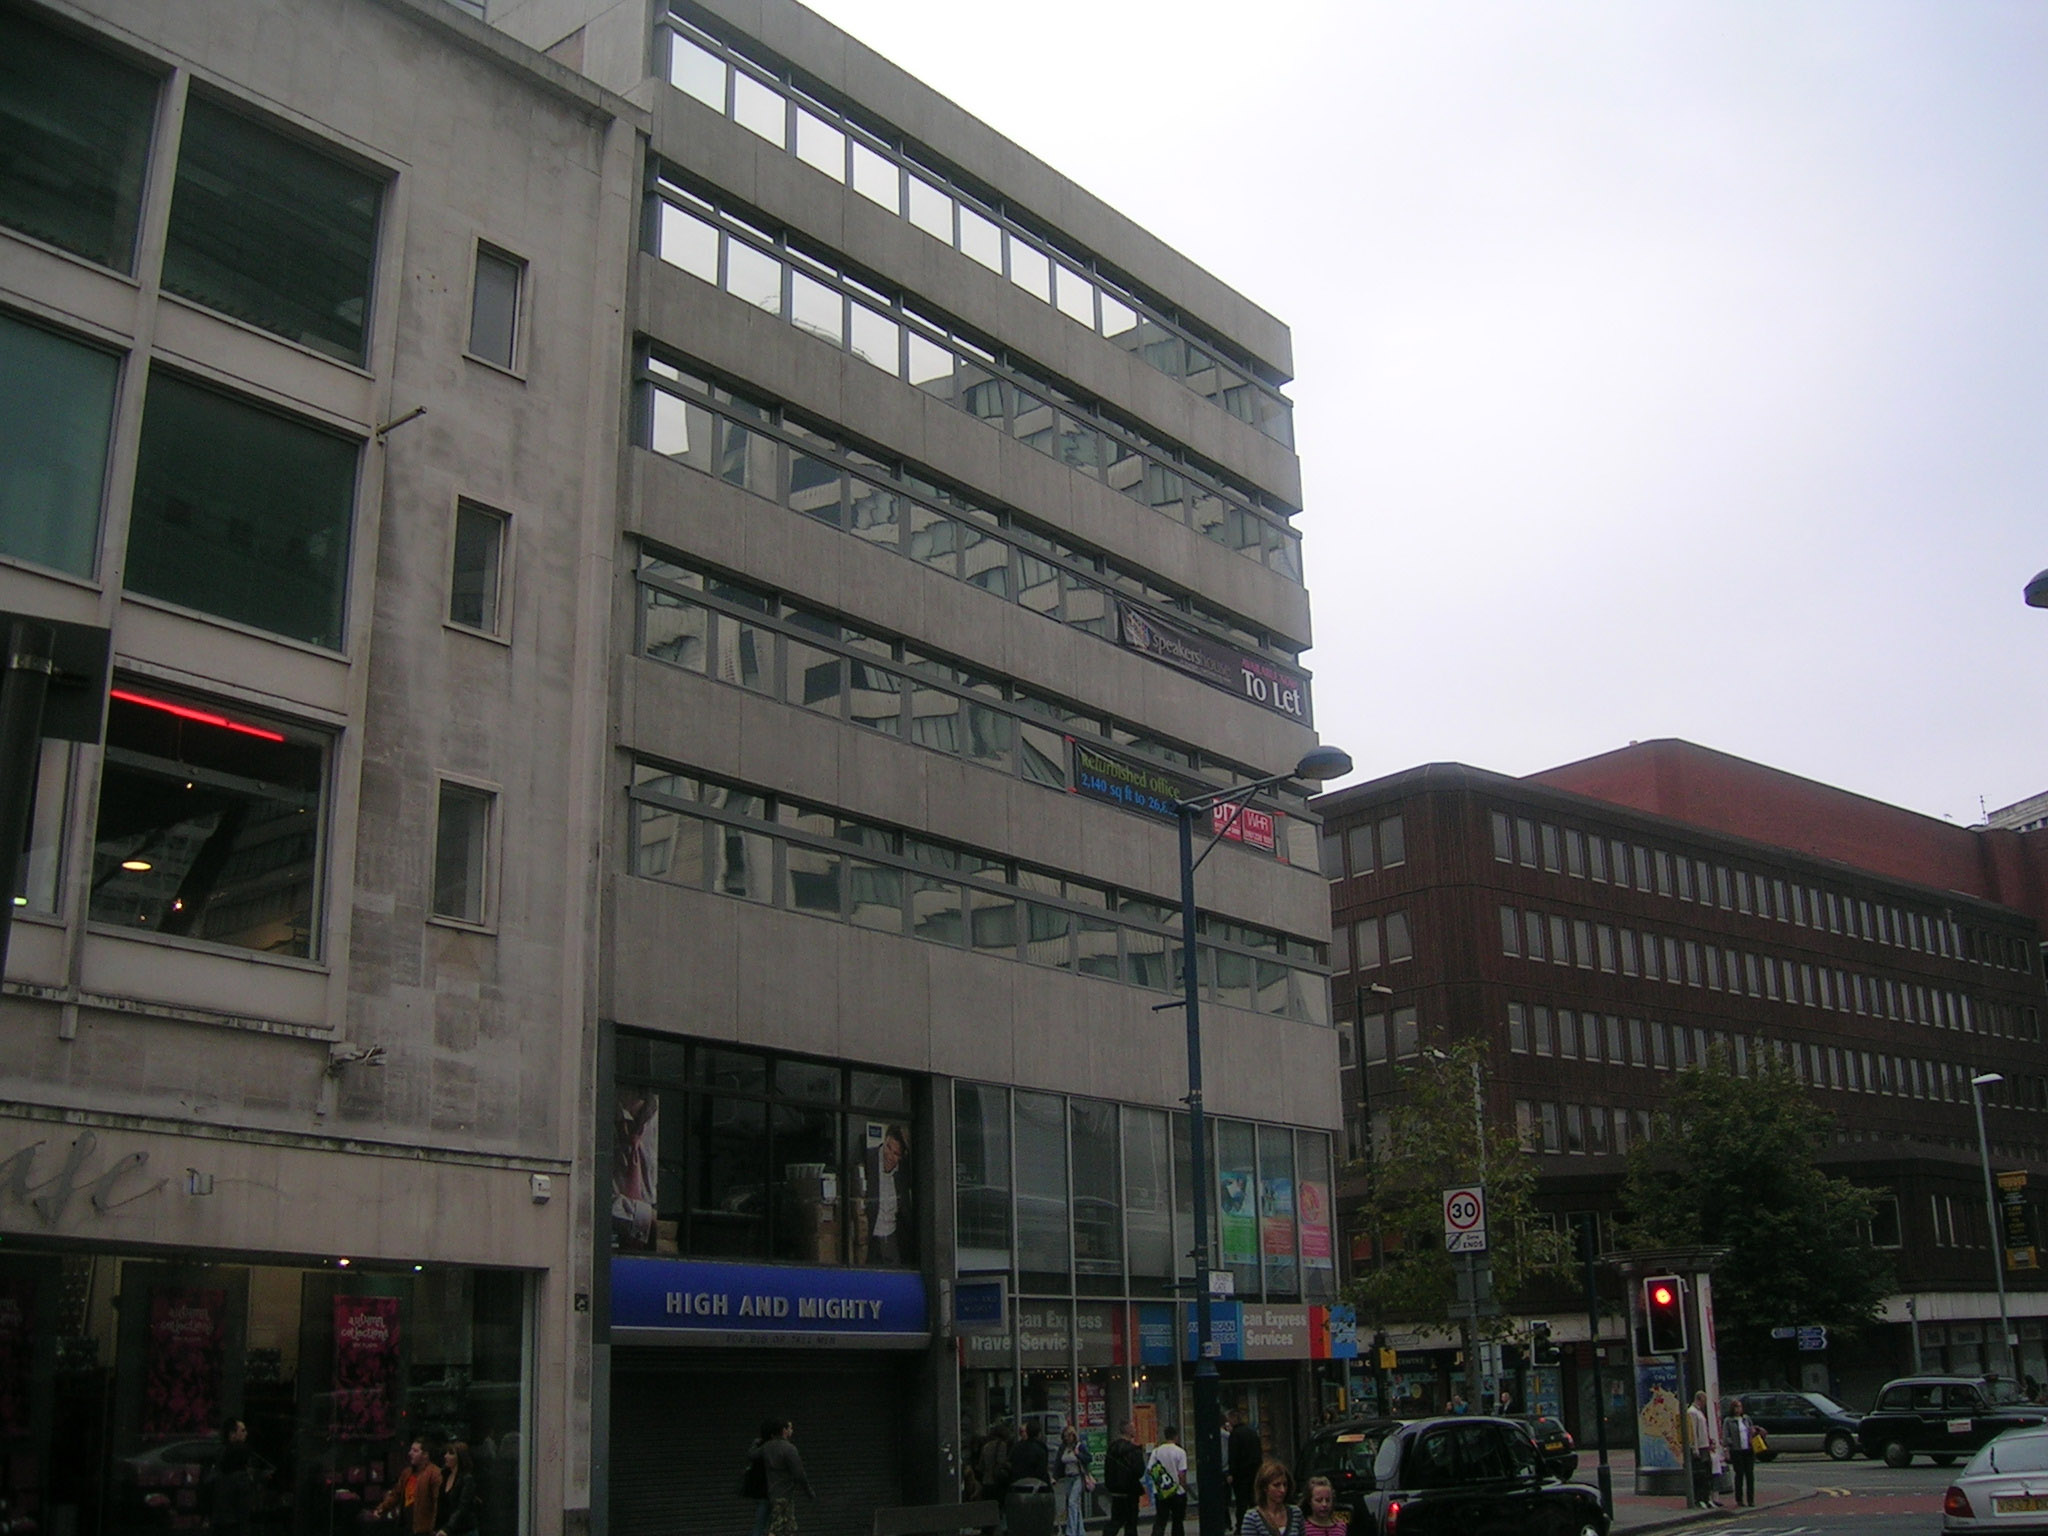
x,y
1226,1330
1660,1417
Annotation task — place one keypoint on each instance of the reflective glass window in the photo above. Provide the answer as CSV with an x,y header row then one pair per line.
x,y
56,420
759,108
820,145
981,238
272,231
930,366
816,308
494,307
1074,294
209,823
753,275
76,124
1098,1187
1030,269
697,72
1042,1235
981,1163
874,513
876,178
876,339
241,512
930,209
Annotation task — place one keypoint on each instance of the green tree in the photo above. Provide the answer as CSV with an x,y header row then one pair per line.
x,y
1435,1137
1733,1165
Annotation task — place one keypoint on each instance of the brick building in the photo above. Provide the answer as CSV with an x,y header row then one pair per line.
x,y
1604,925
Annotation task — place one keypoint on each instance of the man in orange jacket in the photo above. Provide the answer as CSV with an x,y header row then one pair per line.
x,y
416,1498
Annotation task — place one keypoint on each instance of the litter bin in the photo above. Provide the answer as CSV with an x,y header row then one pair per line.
x,y
1029,1508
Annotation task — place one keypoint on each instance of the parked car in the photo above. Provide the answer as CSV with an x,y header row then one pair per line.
x,y
1472,1476
1554,1444
2004,1488
1942,1417
1801,1421
1344,1453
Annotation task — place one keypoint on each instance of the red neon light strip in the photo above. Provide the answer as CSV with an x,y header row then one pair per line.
x,y
200,715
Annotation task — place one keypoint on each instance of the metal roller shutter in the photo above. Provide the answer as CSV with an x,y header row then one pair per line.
x,y
682,1421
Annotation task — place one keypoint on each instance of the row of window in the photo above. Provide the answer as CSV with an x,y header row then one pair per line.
x,y
1658,871
777,851
1620,950
763,100
1574,1129
1365,847
1535,1029
1047,1187
239,510
754,640
1371,942
211,824
770,452
893,333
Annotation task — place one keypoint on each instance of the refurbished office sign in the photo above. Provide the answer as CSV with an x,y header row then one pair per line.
x,y
1152,791
1216,662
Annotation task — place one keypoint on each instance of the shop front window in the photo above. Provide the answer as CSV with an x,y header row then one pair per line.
x,y
720,1153
122,1381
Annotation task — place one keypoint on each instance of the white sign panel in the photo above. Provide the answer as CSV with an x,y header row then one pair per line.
x,y
1465,1220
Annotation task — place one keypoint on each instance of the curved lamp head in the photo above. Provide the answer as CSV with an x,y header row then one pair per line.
x,y
2037,591
1327,762
1984,1079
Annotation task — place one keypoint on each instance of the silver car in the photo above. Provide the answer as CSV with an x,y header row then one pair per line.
x,y
2004,1488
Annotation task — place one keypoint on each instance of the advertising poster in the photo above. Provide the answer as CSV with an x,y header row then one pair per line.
x,y
1237,1217
636,1158
1316,1242
1660,1418
181,1384
17,1330
365,1367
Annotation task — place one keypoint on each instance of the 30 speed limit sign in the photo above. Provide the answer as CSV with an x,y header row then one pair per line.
x,y
1465,1220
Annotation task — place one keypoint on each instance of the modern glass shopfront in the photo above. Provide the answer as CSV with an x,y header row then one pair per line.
x,y
117,1371
1084,1208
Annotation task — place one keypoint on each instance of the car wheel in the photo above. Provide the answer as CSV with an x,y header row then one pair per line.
x,y
1896,1454
1840,1448
1943,1461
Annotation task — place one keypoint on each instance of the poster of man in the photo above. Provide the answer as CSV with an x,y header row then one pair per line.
x,y
882,1231
636,1150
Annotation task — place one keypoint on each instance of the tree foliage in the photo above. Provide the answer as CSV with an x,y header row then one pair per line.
x,y
1733,1166
1435,1138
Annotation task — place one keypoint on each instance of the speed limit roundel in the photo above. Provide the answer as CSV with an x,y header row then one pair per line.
x,y
1464,1209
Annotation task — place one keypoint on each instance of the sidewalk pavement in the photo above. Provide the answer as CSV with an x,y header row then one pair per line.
x,y
1638,1512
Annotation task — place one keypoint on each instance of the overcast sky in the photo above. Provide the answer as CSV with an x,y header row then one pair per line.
x,y
1664,369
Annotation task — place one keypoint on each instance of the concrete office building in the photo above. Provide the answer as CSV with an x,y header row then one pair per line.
x,y
957,533
296,1015
1604,925
608,906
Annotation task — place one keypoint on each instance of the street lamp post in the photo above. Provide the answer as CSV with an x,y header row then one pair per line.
x,y
1318,764
1977,1086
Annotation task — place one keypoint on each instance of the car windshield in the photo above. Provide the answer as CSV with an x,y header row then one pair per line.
x,y
2003,1391
2010,1453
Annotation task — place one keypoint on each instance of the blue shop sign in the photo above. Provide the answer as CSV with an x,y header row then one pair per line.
x,y
693,1301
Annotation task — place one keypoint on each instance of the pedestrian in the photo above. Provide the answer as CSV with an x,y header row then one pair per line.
x,y
1319,1516
1271,1514
1029,1457
1168,1469
1071,1482
230,1487
1503,1403
1699,1435
1123,1473
416,1497
461,1499
1247,1455
786,1478
1742,1435
754,1481
994,1468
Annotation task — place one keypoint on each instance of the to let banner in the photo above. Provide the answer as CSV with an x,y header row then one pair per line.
x,y
1216,662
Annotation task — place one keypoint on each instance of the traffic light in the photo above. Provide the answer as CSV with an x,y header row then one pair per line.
x,y
1664,1314
1541,1350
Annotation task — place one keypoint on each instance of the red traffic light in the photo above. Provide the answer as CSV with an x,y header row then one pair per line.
x,y
1660,1296
1664,1315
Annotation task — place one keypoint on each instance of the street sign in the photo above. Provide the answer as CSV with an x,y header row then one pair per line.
x,y
1784,1333
1465,1219
1222,1282
1813,1339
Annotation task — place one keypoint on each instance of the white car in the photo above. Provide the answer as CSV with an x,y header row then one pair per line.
x,y
2004,1488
